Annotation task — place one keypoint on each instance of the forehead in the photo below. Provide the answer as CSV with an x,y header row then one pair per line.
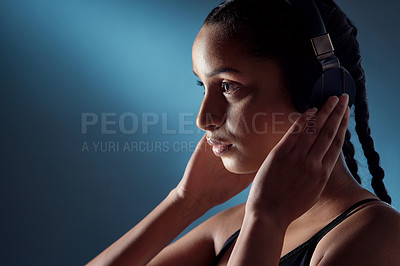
x,y
212,49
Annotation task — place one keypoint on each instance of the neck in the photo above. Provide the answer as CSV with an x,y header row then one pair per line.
x,y
340,192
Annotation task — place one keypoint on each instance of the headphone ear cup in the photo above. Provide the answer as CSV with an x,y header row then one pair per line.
x,y
335,81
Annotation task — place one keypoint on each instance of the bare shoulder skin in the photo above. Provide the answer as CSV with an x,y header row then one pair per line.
x,y
371,237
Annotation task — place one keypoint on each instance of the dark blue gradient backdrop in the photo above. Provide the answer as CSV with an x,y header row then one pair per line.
x,y
98,104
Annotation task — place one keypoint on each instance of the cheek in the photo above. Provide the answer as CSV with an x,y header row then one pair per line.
x,y
249,121
256,126
252,135
256,134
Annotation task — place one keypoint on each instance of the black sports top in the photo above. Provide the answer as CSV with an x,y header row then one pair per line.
x,y
301,256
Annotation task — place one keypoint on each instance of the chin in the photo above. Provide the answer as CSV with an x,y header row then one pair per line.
x,y
237,167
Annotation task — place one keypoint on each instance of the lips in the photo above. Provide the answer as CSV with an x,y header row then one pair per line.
x,y
219,147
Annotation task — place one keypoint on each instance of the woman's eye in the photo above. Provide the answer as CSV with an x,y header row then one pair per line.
x,y
229,87
201,84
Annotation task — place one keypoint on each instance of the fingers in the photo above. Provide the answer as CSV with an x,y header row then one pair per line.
x,y
329,131
291,137
310,135
333,152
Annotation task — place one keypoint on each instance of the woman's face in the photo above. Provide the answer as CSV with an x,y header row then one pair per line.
x,y
246,107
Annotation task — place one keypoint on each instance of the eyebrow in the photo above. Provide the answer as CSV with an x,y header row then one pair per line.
x,y
219,71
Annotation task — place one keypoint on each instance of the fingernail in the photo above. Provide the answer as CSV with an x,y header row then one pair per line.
x,y
334,100
346,96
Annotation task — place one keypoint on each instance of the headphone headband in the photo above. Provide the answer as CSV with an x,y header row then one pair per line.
x,y
310,13
320,40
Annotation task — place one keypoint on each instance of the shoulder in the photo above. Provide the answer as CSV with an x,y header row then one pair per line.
x,y
222,225
199,246
370,236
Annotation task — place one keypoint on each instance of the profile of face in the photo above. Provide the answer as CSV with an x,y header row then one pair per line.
x,y
246,107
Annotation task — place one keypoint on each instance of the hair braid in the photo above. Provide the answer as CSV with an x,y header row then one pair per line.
x,y
348,51
364,135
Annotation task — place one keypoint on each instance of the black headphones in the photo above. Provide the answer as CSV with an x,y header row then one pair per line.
x,y
334,79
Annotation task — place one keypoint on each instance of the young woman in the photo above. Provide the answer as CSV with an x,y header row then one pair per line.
x,y
306,205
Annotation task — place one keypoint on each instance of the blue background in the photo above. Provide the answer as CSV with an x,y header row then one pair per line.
x,y
61,59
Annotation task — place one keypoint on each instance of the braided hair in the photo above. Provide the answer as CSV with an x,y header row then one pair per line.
x,y
272,29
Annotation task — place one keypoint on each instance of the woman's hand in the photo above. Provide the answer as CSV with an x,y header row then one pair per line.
x,y
294,174
207,181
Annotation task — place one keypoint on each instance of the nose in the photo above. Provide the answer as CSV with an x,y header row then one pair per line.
x,y
212,113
